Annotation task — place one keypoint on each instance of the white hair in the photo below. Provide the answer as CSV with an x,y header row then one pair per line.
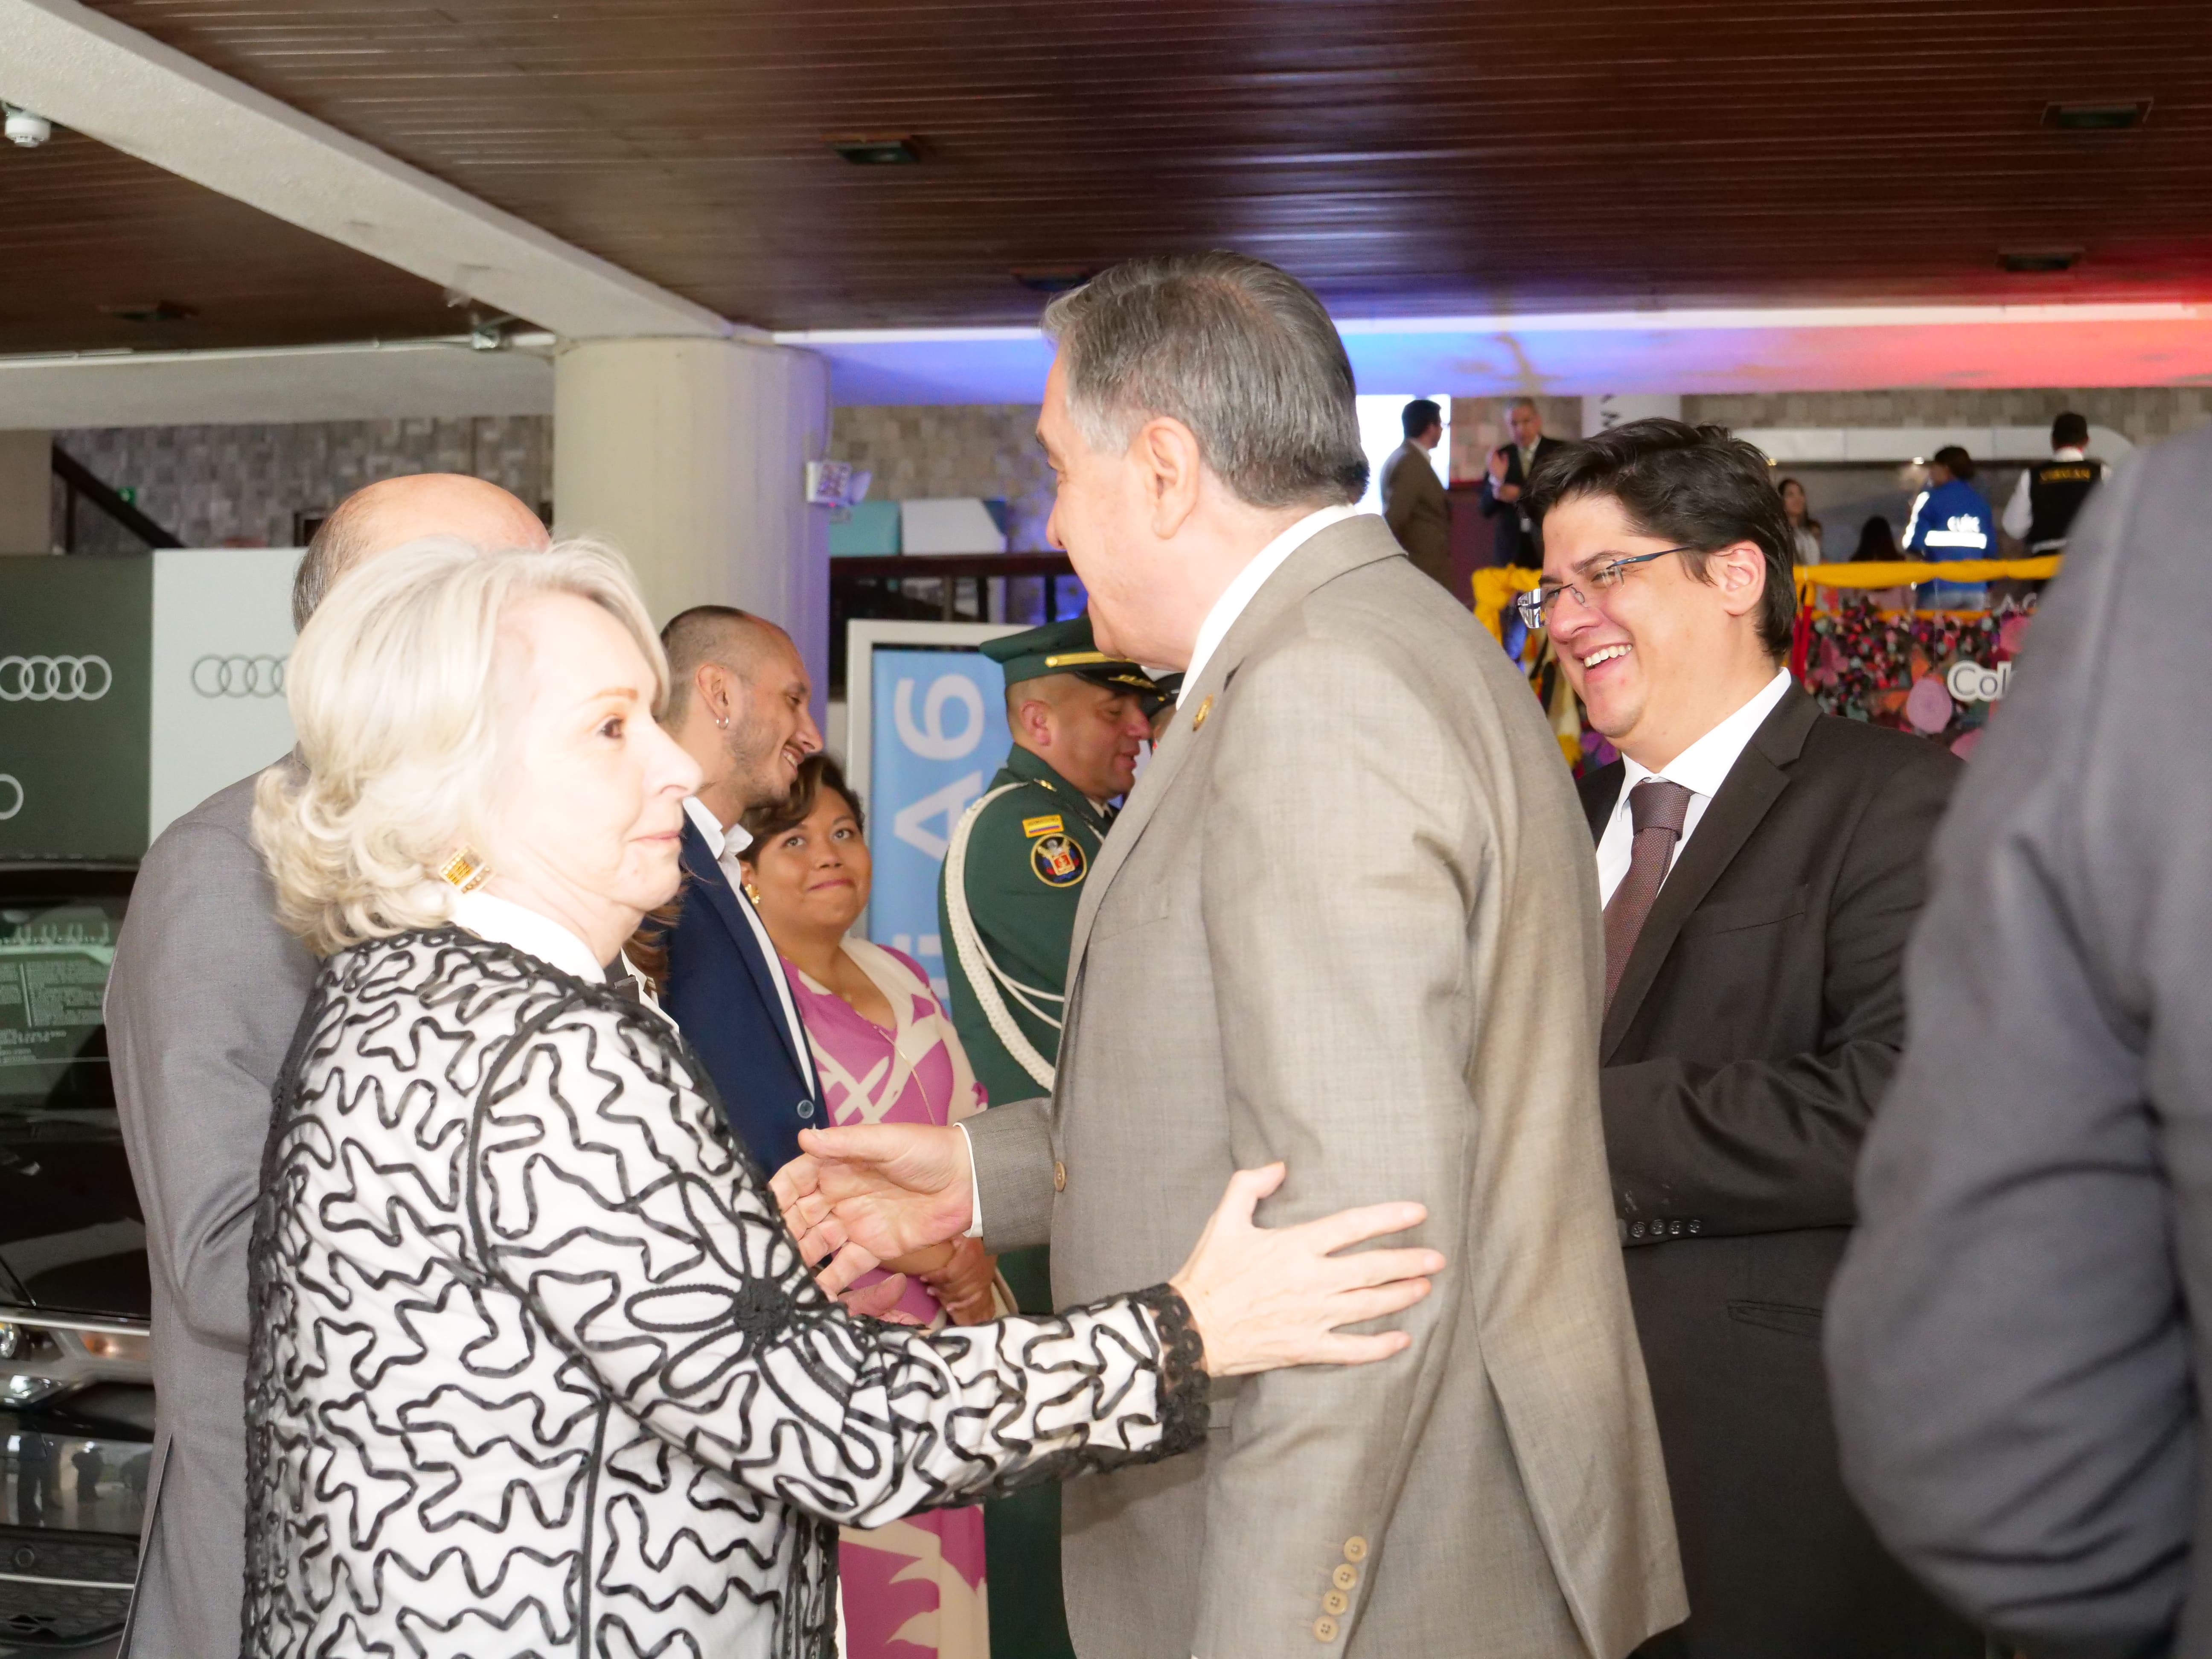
x,y
399,694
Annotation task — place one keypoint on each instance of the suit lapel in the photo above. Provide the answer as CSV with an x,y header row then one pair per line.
x,y
1753,784
707,878
1601,795
1343,546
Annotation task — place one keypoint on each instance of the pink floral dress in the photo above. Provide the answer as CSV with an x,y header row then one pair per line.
x,y
916,1588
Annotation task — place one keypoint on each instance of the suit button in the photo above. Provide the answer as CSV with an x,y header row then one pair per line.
x,y
1636,1230
1059,1176
1335,1601
807,1109
1324,1630
1345,1576
1355,1549
1673,1229
1694,1226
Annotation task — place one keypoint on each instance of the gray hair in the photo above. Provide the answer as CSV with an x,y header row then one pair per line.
x,y
1240,352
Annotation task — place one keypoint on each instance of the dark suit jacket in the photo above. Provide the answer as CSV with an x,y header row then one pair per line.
x,y
1513,545
1756,1025
2021,1345
721,992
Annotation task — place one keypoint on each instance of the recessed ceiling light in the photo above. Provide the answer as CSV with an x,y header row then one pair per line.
x,y
1053,279
149,311
2116,117
2029,261
898,150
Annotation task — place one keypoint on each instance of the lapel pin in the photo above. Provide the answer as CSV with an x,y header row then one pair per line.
x,y
1204,708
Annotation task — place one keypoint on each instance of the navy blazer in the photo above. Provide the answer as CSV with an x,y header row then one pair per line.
x,y
721,992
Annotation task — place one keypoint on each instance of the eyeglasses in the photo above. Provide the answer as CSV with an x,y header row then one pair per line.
x,y
1537,605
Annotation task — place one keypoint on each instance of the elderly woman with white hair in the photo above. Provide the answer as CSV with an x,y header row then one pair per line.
x,y
537,1366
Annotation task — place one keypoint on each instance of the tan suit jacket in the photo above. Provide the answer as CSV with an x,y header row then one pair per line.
x,y
1418,511
1294,943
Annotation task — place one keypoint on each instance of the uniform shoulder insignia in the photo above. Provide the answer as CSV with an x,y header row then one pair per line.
x,y
1047,825
1058,860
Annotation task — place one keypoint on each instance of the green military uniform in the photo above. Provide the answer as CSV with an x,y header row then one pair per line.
x,y
1021,855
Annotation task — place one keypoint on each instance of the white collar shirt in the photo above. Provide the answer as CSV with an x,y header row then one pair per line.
x,y
1247,584
1701,769
725,845
504,922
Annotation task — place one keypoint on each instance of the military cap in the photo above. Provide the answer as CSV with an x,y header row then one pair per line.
x,y
1066,647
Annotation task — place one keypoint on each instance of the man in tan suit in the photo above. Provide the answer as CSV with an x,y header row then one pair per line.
x,y
1291,946
1414,504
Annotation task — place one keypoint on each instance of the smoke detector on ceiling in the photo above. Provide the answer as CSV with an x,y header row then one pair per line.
x,y
26,129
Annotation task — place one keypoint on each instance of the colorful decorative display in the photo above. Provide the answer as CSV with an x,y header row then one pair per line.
x,y
1908,669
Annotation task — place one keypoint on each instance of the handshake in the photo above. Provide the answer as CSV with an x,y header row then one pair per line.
x,y
1260,1298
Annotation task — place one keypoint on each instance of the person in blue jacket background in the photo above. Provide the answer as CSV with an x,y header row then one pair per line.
x,y
1951,519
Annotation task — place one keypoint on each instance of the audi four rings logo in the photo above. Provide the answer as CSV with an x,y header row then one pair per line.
x,y
11,792
239,677
54,679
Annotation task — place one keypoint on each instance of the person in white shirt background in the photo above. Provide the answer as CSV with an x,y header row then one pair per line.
x,y
2044,502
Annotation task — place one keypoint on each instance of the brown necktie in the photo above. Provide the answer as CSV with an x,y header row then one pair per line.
x,y
1657,809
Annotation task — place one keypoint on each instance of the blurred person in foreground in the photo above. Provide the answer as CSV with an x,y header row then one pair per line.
x,y
1761,864
206,991
886,1053
590,1399
739,705
2018,1338
1293,942
1951,521
1414,504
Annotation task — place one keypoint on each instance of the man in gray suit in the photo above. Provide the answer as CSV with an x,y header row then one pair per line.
x,y
206,990
2018,1341
1290,947
1414,504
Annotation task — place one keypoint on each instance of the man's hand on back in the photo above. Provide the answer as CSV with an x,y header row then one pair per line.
x,y
868,1194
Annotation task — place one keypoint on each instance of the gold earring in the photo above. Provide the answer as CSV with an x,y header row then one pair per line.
x,y
464,871
753,893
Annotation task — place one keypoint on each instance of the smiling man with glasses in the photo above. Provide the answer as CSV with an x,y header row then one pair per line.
x,y
1761,865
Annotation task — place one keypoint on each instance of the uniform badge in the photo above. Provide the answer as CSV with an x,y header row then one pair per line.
x,y
1057,860
1047,825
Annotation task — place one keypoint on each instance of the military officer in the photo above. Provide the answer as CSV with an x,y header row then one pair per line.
x,y
1005,905
1014,873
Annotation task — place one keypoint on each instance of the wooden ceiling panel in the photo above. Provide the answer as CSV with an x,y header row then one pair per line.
x,y
86,232
1403,159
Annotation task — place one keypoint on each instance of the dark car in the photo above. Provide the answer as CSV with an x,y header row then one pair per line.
x,y
76,1393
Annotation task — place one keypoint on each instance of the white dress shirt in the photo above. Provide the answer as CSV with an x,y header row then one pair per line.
x,y
725,845
504,922
1701,769
2020,511
1247,584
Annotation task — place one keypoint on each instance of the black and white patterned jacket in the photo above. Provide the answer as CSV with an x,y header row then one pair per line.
x,y
536,1369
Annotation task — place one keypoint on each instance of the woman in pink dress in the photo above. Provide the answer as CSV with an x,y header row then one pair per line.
x,y
887,1053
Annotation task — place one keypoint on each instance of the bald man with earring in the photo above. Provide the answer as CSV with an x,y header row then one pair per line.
x,y
206,990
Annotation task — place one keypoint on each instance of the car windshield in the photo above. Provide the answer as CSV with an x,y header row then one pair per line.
x,y
70,1234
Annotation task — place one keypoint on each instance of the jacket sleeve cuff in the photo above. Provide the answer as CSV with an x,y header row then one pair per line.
x,y
1010,1149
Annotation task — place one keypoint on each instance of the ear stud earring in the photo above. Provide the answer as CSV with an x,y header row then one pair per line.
x,y
464,871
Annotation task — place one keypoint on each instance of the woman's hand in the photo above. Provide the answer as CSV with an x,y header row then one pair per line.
x,y
1266,1297
963,1284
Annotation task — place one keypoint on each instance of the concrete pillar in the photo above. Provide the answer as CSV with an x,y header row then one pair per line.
x,y
27,482
689,455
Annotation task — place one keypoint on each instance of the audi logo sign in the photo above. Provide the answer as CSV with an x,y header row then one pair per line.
x,y
239,677
12,792
54,679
